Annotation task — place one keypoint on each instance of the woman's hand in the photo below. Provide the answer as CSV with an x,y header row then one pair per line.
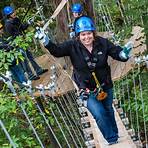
x,y
125,53
40,34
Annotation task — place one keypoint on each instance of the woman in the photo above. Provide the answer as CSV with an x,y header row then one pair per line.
x,y
89,54
77,10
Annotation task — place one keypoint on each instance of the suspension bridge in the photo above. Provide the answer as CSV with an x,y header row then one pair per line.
x,y
55,95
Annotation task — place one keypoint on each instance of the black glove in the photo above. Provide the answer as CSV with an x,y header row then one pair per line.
x,y
84,94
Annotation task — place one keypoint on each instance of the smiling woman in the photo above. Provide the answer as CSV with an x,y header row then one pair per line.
x,y
87,39
89,54
84,29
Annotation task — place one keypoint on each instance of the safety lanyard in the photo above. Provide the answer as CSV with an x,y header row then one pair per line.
x,y
96,80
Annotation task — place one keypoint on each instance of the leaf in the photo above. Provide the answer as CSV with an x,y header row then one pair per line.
x,y
1,64
8,55
6,66
12,57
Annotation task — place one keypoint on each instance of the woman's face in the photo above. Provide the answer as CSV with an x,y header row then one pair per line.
x,y
75,14
86,38
13,15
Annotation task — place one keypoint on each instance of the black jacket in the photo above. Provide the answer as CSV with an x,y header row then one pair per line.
x,y
14,27
75,50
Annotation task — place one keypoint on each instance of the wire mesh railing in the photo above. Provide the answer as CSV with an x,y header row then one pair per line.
x,y
51,119
131,94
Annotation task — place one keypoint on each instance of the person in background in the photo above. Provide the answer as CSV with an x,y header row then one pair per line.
x,y
15,69
77,11
89,53
14,27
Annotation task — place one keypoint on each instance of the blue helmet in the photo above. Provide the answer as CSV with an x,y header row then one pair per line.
x,y
77,8
8,10
84,23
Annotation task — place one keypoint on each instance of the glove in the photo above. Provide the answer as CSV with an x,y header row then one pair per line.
x,y
72,34
124,54
40,34
84,94
30,21
70,26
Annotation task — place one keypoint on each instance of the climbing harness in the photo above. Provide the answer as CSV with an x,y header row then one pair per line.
x,y
92,65
66,108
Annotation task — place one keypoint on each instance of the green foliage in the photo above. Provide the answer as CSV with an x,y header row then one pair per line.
x,y
7,58
16,123
24,41
136,104
124,15
19,128
14,56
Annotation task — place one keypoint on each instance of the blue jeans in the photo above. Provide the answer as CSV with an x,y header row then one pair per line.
x,y
17,73
103,113
25,64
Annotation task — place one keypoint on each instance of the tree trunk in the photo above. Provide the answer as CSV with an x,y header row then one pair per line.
x,y
145,22
88,6
62,23
1,85
62,31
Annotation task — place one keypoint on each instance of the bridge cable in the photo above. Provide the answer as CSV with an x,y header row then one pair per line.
x,y
7,134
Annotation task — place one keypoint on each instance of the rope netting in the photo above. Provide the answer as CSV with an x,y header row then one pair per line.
x,y
131,95
60,114
130,88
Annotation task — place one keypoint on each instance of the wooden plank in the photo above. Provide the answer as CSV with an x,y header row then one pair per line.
x,y
64,82
124,140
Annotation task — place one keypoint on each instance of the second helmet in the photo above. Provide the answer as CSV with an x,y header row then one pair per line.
x,y
77,8
84,23
8,10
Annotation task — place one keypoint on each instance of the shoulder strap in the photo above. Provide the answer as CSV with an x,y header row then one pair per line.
x,y
91,63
